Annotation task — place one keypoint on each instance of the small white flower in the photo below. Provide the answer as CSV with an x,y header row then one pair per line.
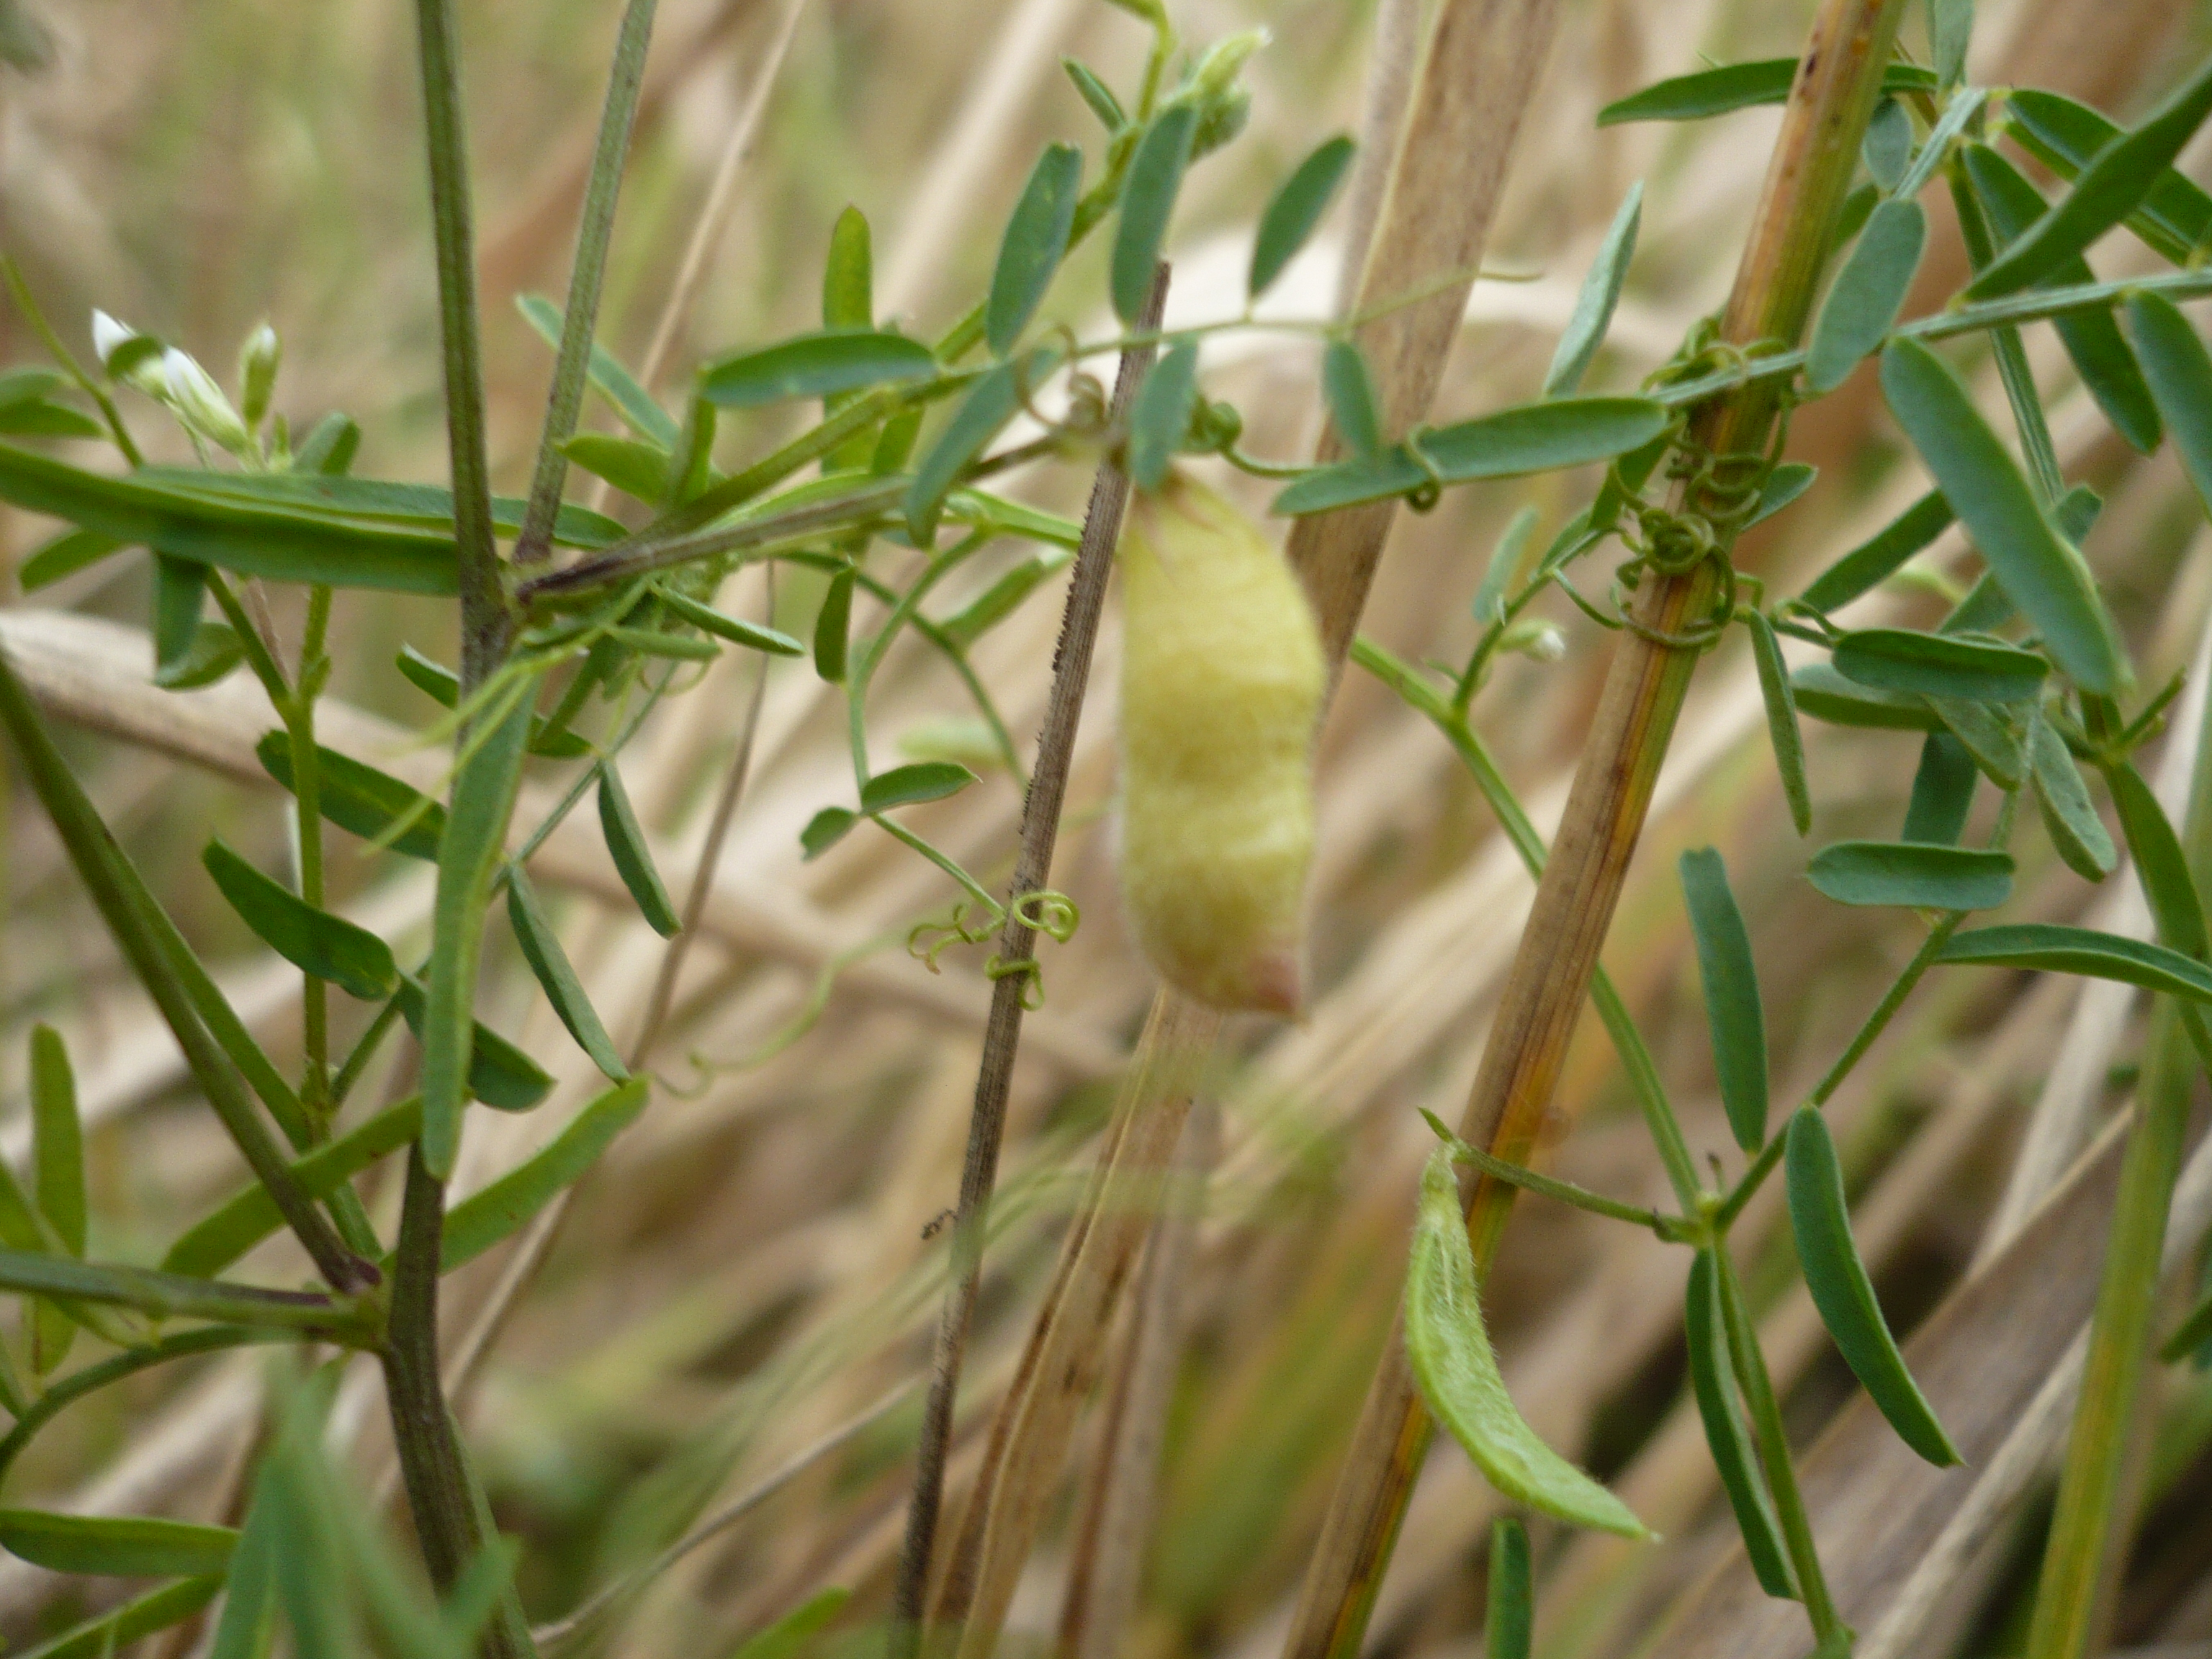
x,y
109,336
199,403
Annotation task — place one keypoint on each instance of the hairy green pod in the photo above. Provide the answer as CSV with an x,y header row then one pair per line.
x,y
1222,679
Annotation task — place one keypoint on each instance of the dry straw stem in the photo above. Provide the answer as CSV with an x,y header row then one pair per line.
x,y
987,1126
1628,735
1478,73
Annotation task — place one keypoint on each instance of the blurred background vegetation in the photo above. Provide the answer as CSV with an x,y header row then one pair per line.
x,y
756,1262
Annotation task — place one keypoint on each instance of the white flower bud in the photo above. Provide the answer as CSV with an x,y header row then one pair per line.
x,y
257,361
199,403
1540,639
108,335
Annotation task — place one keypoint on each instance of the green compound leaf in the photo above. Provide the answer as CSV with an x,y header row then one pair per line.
x,y
1939,664
314,941
1782,730
1034,243
1294,210
250,1215
501,1209
2066,136
904,786
468,853
550,963
2092,338
1942,791
1911,873
1820,1219
1730,978
722,625
1148,199
1868,293
2160,865
276,542
2062,798
1721,1410
1509,1615
2179,371
1874,561
2044,575
815,365
1457,1371
120,1545
1543,437
360,799
2117,179
1595,302
1825,695
2049,948
632,857
1160,414
1736,86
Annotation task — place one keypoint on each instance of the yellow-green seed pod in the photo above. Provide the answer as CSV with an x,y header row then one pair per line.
x,y
1222,679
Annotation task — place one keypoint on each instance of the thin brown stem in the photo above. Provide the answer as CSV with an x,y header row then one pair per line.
x,y
1040,813
1627,739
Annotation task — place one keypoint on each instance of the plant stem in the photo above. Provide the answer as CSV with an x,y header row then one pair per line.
x,y
174,1296
986,1125
299,712
587,276
1813,160
2067,1611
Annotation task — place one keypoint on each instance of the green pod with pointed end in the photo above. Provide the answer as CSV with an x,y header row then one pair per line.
x,y
1222,677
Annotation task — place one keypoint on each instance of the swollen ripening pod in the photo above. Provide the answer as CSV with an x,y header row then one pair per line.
x,y
1221,683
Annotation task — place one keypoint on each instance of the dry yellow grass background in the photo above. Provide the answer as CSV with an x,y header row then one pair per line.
x,y
753,1265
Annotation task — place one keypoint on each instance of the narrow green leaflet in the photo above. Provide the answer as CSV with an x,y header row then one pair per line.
x,y
1541,437
2065,137
904,786
468,851
1825,695
638,469
1001,599
179,587
314,941
1820,1219
1034,243
116,1630
1874,561
789,1636
43,420
1939,664
1097,95
815,365
1888,147
2049,948
1950,28
254,540
1991,735
1730,978
1916,874
849,273
541,949
118,1546
2179,371
482,1220
1868,292
1350,394
737,631
609,378
1294,210
1721,1410
427,507
2192,1334
2063,798
1783,485
2093,338
2160,865
329,446
249,1216
1509,1614
1148,199
1594,303
58,1179
1782,730
1736,86
825,830
1159,416
1942,791
990,403
2114,183
501,1075
28,385
215,650
247,1626
363,800
627,845
1457,1371
2046,576
67,554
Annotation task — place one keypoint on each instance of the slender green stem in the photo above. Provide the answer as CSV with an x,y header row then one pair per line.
x,y
174,1296
588,275
1563,1192
62,354
298,714
943,861
1757,1388
863,670
2035,440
